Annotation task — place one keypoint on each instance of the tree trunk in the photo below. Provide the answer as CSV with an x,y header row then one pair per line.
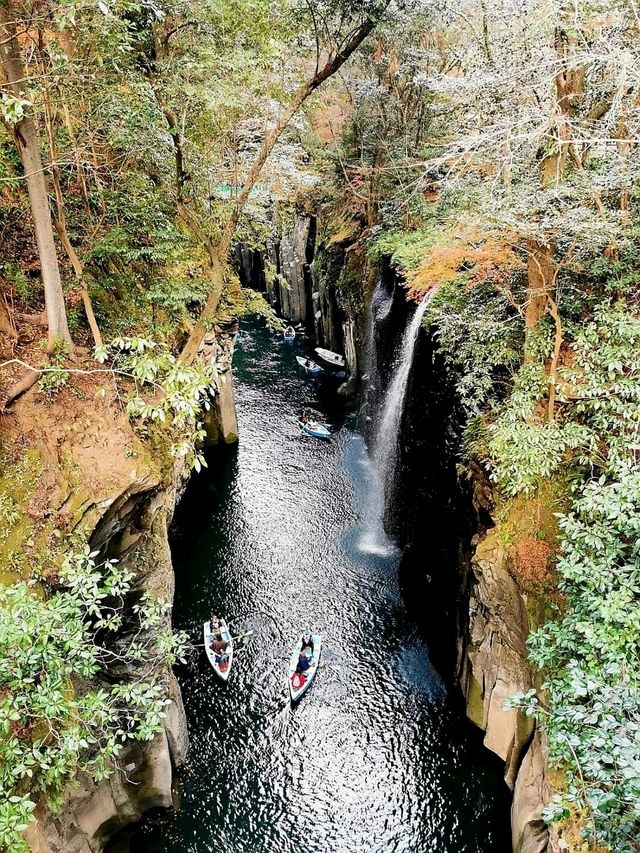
x,y
27,142
541,272
555,358
569,90
541,267
60,223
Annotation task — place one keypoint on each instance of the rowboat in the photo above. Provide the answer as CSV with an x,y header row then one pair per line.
x,y
331,358
308,365
289,333
299,683
315,429
222,670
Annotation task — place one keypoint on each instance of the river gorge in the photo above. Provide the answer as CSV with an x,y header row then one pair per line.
x,y
440,198
379,756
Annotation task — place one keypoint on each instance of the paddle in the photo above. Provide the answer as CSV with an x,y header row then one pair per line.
x,y
241,636
233,639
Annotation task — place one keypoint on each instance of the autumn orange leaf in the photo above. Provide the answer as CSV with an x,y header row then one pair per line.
x,y
479,257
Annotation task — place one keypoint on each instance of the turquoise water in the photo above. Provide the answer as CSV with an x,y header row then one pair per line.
x,y
377,756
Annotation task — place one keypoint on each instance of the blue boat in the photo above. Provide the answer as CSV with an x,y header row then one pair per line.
x,y
299,682
309,366
315,429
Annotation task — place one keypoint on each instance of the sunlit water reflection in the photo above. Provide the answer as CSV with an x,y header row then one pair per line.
x,y
375,757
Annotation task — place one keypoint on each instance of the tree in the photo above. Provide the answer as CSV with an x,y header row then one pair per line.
x,y
64,706
334,45
15,107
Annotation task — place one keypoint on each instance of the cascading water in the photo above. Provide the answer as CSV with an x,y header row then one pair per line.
x,y
384,446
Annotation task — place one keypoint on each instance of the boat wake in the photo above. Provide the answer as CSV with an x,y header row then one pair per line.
x,y
281,719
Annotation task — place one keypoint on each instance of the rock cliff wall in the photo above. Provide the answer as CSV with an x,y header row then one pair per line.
x,y
100,481
82,474
302,276
502,610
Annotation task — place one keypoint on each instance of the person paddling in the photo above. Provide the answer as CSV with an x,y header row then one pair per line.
x,y
304,662
219,645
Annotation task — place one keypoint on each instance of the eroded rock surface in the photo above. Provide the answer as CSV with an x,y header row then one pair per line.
x,y
497,669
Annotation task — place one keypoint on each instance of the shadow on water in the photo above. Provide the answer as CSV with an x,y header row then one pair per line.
x,y
377,756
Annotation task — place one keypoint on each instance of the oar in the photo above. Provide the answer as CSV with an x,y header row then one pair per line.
x,y
241,636
233,639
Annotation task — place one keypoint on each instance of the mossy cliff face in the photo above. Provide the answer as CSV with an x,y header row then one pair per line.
x,y
74,471
511,582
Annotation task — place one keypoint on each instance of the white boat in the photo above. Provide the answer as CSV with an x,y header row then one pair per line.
x,y
309,365
222,670
317,430
289,333
299,683
332,358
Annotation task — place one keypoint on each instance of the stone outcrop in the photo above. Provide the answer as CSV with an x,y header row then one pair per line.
x,y
221,420
498,629
530,833
295,254
495,667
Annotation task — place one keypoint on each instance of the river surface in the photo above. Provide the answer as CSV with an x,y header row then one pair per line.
x,y
377,756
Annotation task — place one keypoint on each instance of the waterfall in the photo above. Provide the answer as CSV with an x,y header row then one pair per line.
x,y
384,447
385,441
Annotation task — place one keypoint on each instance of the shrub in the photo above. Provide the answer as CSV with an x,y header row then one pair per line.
x,y
57,715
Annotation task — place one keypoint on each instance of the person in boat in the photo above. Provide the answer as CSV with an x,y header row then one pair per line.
x,y
214,622
222,659
305,656
304,416
219,645
307,362
304,662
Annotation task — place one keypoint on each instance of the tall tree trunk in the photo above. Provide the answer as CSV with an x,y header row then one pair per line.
x,y
27,142
60,220
220,252
541,271
541,267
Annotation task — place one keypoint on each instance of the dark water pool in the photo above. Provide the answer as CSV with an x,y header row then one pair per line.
x,y
377,756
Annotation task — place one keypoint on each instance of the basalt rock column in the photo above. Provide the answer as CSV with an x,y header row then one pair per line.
x,y
221,421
